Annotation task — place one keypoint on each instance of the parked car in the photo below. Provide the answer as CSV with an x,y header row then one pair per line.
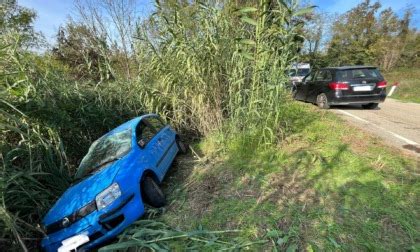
x,y
342,86
298,72
121,171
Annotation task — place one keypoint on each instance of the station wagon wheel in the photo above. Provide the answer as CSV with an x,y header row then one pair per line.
x,y
322,101
152,193
294,91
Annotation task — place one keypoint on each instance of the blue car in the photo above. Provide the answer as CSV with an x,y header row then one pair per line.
x,y
121,171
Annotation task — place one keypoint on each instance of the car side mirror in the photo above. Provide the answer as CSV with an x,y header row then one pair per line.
x,y
141,143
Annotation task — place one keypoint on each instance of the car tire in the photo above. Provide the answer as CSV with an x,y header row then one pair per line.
x,y
294,92
322,101
182,147
152,194
370,106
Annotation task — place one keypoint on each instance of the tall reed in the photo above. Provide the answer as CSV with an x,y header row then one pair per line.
x,y
214,67
210,65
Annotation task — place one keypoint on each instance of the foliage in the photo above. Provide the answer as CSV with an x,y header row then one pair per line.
x,y
228,66
408,80
354,35
15,18
410,56
46,125
158,236
86,54
205,67
362,35
328,186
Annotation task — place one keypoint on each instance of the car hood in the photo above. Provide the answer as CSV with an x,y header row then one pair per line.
x,y
82,193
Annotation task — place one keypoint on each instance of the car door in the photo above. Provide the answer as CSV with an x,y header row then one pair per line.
x,y
166,140
151,143
308,84
321,81
301,87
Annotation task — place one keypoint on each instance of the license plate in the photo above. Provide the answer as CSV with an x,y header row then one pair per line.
x,y
362,88
72,243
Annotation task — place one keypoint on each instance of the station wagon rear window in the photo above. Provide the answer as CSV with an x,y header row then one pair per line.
x,y
105,150
360,73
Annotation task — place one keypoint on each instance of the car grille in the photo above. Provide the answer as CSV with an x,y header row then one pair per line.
x,y
72,218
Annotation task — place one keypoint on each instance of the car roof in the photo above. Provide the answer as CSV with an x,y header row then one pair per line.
x,y
348,67
129,124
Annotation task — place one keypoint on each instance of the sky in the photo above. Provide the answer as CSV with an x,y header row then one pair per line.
x,y
53,13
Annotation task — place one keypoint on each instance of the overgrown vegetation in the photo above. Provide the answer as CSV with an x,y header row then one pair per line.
x,y
366,34
204,67
326,187
215,70
408,80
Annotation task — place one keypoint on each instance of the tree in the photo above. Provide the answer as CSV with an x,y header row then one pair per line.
x,y
115,21
18,20
362,36
392,37
353,35
410,56
86,54
315,32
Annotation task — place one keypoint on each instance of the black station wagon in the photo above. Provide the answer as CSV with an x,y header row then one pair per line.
x,y
344,85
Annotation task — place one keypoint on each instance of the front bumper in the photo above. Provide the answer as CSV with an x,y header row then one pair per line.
x,y
339,99
100,225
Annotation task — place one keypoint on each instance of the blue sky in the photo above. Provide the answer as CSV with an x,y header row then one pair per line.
x,y
53,13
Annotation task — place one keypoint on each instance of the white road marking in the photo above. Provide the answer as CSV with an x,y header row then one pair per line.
x,y
408,141
351,115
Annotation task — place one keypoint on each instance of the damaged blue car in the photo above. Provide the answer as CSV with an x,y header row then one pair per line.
x,y
121,171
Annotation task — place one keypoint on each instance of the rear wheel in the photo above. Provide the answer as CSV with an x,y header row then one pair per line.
x,y
370,106
152,193
322,101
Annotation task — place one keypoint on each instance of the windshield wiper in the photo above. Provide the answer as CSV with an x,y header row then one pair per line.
x,y
95,169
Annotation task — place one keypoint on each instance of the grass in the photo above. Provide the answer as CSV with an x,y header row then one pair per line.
x,y
409,84
285,176
327,186
203,66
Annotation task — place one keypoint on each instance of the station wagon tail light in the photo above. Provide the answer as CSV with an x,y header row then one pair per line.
x,y
107,196
381,84
339,86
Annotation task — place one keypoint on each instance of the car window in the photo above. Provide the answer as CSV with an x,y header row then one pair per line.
x,y
302,71
144,133
310,76
156,123
292,72
320,76
358,74
327,76
105,150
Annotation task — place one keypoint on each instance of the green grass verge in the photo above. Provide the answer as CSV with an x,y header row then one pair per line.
x,y
409,84
328,186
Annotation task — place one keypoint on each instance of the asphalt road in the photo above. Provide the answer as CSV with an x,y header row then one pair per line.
x,y
398,123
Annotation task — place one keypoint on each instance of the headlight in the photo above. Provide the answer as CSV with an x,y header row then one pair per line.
x,y
107,196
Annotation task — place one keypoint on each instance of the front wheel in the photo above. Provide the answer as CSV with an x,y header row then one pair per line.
x,y
370,106
322,101
294,92
152,193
